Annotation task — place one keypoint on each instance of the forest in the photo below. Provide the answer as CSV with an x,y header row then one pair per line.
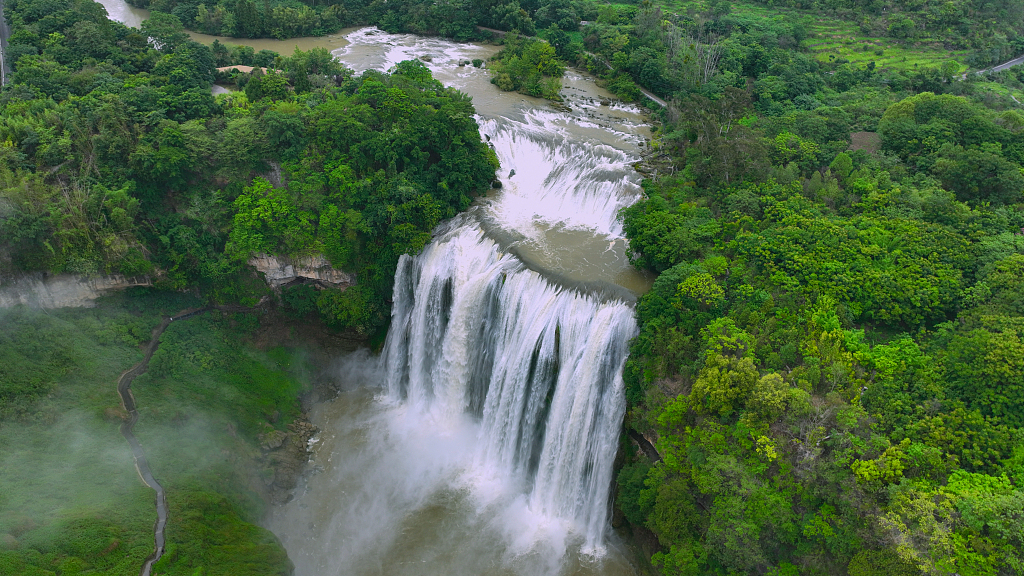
x,y
989,30
117,159
828,377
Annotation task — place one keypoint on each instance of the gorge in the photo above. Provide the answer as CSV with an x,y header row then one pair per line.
x,y
482,440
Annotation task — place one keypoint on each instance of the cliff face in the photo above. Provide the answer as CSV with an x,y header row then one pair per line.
x,y
41,290
62,290
281,271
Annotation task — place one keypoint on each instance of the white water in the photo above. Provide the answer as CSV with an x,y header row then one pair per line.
x,y
473,332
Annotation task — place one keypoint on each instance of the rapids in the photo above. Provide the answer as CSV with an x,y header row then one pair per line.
x,y
481,440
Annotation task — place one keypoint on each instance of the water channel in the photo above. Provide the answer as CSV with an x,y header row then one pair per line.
x,y
481,441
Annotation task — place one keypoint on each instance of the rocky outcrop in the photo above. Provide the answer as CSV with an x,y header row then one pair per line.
x,y
281,271
62,290
285,455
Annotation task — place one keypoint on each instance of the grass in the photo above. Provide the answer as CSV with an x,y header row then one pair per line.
x,y
70,499
1000,90
831,38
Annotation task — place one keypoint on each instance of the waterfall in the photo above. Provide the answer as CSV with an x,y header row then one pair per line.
x,y
558,178
539,366
482,439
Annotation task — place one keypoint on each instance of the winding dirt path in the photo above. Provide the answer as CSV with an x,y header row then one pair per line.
x,y
124,384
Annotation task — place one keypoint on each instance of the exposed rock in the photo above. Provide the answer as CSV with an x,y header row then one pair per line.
x,y
645,445
280,271
114,414
286,455
274,175
41,290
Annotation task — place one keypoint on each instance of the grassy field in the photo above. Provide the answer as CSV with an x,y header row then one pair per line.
x,y
1001,90
830,38
833,39
70,499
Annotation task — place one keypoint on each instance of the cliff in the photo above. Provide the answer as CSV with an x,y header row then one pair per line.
x,y
41,290
282,271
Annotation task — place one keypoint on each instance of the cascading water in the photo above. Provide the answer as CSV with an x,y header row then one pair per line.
x,y
475,332
488,448
557,179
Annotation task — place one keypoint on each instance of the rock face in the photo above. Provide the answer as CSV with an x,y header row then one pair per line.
x,y
285,455
62,290
280,271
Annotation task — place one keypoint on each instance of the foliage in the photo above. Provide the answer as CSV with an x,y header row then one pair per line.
x,y
70,498
828,361
529,66
137,170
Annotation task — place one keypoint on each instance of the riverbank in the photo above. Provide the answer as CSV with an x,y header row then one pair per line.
x,y
221,422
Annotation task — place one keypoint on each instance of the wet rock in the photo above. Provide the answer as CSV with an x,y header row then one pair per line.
x,y
618,518
285,456
496,184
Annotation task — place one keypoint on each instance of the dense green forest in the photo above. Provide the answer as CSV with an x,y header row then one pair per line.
x,y
117,158
829,368
665,46
988,31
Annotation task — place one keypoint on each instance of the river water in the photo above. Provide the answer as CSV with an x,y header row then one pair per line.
x,y
481,440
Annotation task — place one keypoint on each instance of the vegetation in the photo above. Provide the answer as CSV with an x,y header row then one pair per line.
x,y
290,18
118,159
827,362
71,499
529,66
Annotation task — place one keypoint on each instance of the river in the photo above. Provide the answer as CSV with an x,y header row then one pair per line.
x,y
481,441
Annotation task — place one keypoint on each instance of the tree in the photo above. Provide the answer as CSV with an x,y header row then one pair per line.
x,y
166,31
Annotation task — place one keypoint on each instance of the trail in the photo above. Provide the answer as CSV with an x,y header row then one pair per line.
x,y
124,384
650,95
1003,66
